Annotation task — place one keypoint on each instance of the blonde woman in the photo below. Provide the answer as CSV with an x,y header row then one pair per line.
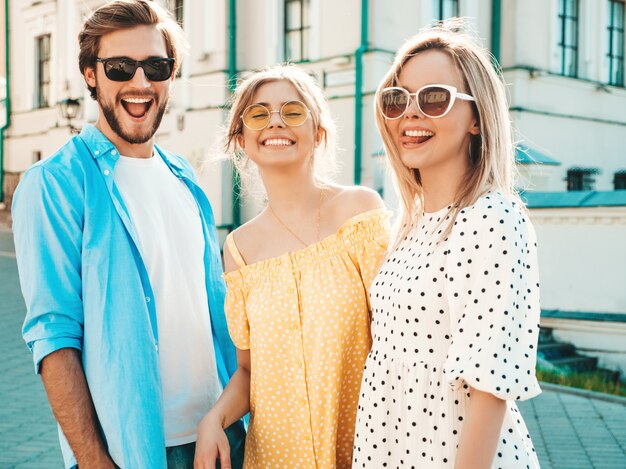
x,y
298,276
455,305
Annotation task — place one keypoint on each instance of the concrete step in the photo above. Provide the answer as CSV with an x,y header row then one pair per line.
x,y
552,350
576,363
545,335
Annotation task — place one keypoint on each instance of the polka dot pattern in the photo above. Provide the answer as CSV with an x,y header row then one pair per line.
x,y
304,316
450,313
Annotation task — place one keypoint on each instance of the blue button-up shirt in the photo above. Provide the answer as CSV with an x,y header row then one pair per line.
x,y
86,287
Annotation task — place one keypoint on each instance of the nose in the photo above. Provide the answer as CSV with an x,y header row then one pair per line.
x,y
275,120
140,80
413,109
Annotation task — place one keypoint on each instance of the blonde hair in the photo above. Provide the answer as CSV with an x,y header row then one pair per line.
x,y
324,163
491,153
126,14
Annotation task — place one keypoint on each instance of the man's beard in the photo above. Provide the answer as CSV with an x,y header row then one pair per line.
x,y
116,126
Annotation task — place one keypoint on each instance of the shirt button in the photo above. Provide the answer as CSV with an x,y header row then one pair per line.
x,y
97,152
107,172
156,347
113,152
148,299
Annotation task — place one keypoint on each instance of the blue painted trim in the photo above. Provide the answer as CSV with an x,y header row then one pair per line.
x,y
566,199
528,155
583,315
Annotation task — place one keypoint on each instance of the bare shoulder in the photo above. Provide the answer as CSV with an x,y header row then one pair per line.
x,y
345,202
246,239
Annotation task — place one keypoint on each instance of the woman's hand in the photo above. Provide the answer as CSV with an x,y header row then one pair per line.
x,y
212,444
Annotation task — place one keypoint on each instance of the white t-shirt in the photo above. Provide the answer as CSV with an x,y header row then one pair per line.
x,y
169,231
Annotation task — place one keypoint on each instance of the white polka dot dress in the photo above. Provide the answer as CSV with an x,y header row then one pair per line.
x,y
448,314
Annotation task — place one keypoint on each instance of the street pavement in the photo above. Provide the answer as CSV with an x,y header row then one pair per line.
x,y
569,430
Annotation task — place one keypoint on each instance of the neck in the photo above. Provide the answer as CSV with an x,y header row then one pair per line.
x,y
441,185
134,150
292,191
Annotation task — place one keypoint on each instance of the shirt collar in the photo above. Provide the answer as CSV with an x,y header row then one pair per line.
x,y
100,146
96,142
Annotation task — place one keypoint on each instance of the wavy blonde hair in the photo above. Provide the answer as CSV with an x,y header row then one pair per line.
x,y
324,162
491,153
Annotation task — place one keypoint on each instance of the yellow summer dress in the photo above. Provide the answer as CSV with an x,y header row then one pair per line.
x,y
305,318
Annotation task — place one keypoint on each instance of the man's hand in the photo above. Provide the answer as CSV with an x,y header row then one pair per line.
x,y
212,444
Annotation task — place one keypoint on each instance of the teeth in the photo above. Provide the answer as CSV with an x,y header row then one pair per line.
x,y
276,141
418,133
137,100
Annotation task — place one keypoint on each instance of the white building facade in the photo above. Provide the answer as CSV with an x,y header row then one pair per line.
x,y
563,61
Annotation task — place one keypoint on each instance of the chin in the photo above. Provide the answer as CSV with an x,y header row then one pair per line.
x,y
412,161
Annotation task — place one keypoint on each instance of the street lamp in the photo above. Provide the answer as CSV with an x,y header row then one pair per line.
x,y
70,109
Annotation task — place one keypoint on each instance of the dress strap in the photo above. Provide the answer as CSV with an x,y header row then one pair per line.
x,y
232,247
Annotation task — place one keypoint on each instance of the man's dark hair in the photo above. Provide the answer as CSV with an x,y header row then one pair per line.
x,y
125,14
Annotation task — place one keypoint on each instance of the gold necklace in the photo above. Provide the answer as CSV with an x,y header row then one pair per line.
x,y
317,226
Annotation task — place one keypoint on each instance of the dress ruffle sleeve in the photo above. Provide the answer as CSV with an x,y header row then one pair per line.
x,y
493,291
368,237
235,310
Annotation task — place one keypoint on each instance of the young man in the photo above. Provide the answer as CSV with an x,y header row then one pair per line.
x,y
119,264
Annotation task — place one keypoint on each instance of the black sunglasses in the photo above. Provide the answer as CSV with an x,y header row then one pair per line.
x,y
123,68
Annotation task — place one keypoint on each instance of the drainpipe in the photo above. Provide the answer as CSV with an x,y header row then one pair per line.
x,y
232,72
358,92
496,23
7,100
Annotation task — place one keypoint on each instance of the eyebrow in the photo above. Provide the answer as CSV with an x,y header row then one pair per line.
x,y
130,58
268,105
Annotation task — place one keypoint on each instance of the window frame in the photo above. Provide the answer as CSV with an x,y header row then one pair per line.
x,y
302,31
581,179
440,7
619,180
616,58
43,44
564,33
178,7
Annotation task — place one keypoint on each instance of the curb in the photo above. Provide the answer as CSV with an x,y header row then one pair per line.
x,y
583,393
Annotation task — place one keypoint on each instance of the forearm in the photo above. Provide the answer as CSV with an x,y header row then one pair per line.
x,y
68,393
234,402
481,431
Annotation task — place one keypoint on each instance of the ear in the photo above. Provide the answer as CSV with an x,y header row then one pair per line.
x,y
319,136
474,127
240,141
90,76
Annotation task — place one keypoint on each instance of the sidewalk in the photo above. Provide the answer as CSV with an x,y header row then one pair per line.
x,y
569,431
28,436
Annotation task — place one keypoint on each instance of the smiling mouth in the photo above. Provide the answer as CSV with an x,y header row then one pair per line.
x,y
137,107
417,136
277,142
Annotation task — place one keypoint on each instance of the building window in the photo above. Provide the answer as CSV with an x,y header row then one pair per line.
x,y
178,7
581,179
619,180
616,42
297,29
445,9
43,71
568,37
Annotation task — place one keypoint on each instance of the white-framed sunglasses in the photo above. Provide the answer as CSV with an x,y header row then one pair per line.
x,y
257,116
433,101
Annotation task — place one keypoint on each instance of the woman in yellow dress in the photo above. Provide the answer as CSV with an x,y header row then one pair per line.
x,y
298,278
